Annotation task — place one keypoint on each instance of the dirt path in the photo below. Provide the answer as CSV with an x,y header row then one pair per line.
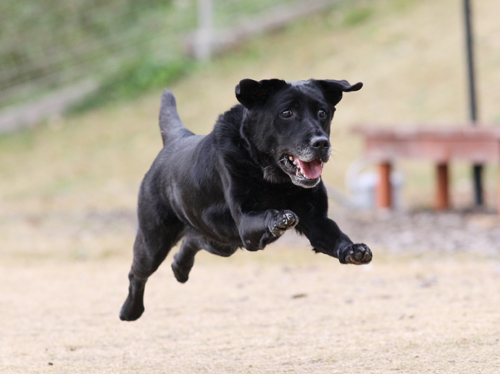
x,y
279,311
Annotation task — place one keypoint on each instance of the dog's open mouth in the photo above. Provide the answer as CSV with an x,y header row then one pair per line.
x,y
305,171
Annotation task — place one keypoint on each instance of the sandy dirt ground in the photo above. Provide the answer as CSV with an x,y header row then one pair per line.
x,y
282,310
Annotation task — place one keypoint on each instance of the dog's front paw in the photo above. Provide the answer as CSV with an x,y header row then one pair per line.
x,y
284,220
357,254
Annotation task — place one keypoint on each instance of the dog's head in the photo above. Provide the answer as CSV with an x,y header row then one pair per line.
x,y
288,123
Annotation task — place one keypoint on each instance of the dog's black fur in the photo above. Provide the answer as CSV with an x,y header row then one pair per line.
x,y
256,175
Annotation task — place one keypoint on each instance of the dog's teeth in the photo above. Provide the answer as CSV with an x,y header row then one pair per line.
x,y
290,158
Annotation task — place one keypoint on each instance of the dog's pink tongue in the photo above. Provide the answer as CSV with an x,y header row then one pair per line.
x,y
313,169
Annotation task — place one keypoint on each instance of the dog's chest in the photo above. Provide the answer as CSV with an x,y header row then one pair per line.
x,y
265,196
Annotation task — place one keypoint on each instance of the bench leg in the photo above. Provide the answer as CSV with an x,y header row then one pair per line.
x,y
384,189
442,199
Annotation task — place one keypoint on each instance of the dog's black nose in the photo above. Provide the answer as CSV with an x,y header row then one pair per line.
x,y
320,142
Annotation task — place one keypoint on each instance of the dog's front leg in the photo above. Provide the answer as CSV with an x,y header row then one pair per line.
x,y
326,237
257,229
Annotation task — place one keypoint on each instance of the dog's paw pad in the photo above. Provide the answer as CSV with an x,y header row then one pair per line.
x,y
283,221
287,220
358,254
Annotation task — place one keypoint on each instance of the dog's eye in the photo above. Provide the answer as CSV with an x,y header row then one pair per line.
x,y
322,113
286,113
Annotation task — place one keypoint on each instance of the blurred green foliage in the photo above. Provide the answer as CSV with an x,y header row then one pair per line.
x,y
48,43
133,80
127,46
358,15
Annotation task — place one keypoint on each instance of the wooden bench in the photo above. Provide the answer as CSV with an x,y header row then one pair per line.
x,y
477,145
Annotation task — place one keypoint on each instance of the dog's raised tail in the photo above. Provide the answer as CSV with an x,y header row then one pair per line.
x,y
170,123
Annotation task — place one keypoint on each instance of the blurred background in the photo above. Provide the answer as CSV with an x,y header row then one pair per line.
x,y
81,80
80,88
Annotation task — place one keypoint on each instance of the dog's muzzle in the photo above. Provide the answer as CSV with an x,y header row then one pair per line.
x,y
304,165
310,170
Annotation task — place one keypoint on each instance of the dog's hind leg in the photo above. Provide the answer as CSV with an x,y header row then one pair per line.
x,y
150,249
184,259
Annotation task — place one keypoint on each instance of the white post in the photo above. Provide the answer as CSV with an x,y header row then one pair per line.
x,y
204,34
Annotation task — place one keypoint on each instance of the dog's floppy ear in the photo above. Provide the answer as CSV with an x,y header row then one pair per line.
x,y
251,93
332,89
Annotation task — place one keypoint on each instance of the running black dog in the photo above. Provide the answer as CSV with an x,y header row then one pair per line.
x,y
256,175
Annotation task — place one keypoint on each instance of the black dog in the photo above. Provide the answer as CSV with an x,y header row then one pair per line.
x,y
256,175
